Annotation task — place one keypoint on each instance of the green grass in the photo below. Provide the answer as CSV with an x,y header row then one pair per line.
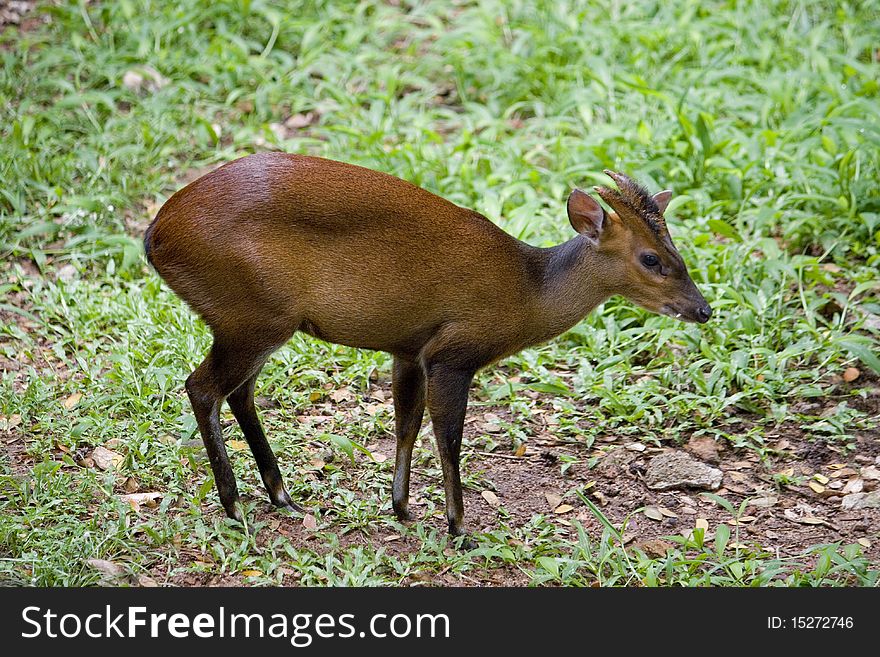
x,y
764,119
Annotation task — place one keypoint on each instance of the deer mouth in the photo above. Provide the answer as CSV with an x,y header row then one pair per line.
x,y
675,313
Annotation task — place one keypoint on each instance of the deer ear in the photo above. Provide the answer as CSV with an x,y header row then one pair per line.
x,y
586,215
662,199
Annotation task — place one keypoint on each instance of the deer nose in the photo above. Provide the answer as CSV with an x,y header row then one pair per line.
x,y
704,313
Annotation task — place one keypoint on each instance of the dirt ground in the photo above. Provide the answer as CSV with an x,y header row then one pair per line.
x,y
800,507
15,12
782,519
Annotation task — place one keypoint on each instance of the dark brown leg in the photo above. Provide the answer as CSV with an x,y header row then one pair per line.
x,y
241,401
408,389
225,369
447,403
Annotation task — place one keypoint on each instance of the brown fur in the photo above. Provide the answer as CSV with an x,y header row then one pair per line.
x,y
274,243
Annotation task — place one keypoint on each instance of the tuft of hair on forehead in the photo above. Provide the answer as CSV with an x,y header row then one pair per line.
x,y
631,198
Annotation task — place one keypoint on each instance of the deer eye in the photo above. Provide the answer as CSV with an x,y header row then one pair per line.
x,y
650,261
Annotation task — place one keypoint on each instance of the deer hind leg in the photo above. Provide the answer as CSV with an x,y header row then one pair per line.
x,y
227,367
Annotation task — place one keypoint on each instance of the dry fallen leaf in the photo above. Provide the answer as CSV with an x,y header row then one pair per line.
x,y
7,423
108,568
309,521
521,450
299,121
379,457
146,581
822,479
739,477
131,485
491,498
850,374
763,502
553,499
73,400
870,472
636,447
143,78
563,508
374,409
106,459
864,542
655,547
237,445
853,486
251,573
817,487
702,523
391,537
806,519
341,395
653,513
136,500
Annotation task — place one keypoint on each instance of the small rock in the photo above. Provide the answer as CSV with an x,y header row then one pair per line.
x,y
861,501
491,498
870,472
615,460
704,448
676,469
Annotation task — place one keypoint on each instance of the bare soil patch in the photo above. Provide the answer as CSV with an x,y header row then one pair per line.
x,y
785,515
